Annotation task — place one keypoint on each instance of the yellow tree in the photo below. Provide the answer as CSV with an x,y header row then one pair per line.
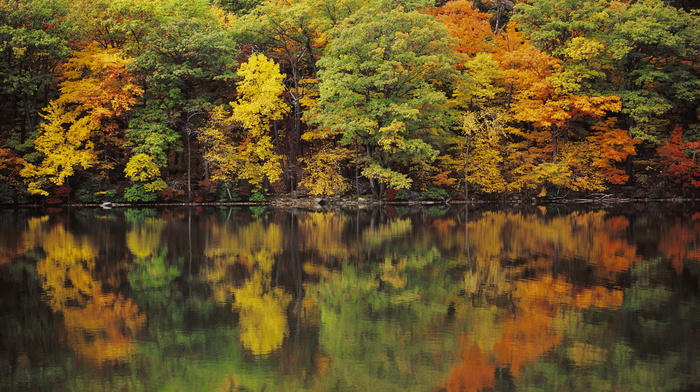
x,y
65,144
86,118
220,149
258,105
249,155
483,164
144,171
475,158
323,170
292,34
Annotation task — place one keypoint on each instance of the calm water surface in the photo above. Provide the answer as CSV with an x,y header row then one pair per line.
x,y
556,298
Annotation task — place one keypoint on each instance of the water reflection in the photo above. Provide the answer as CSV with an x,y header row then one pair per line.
x,y
386,299
97,325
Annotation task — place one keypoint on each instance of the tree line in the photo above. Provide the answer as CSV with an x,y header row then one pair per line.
x,y
219,100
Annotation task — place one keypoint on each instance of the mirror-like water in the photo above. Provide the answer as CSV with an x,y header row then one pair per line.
x,y
394,299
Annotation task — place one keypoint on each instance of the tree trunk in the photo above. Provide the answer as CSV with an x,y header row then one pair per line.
x,y
189,166
357,170
466,170
295,140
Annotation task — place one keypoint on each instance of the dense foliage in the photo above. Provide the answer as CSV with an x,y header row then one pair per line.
x,y
219,100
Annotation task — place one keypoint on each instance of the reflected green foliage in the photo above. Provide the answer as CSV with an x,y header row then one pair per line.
x,y
258,210
651,351
154,275
136,216
435,211
369,325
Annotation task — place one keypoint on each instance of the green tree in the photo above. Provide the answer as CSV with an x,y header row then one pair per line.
x,y
187,65
121,24
381,92
34,36
143,171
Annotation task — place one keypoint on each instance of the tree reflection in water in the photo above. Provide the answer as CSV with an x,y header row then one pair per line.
x,y
389,299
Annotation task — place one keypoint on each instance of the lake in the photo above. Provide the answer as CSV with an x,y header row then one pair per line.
x,y
393,298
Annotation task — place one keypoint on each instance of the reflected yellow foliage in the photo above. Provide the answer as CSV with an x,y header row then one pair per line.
x,y
591,236
323,232
33,233
488,279
98,326
392,273
263,319
144,239
230,384
584,355
518,304
376,235
101,331
66,268
489,329
317,270
544,294
598,297
261,305
253,246
232,244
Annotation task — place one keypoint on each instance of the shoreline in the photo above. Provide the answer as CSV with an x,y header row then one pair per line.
x,y
328,202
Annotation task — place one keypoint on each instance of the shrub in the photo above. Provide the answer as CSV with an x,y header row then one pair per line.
x,y
136,193
7,193
434,194
91,191
257,197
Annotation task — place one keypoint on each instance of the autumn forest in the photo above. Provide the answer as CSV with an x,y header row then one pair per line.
x,y
237,100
